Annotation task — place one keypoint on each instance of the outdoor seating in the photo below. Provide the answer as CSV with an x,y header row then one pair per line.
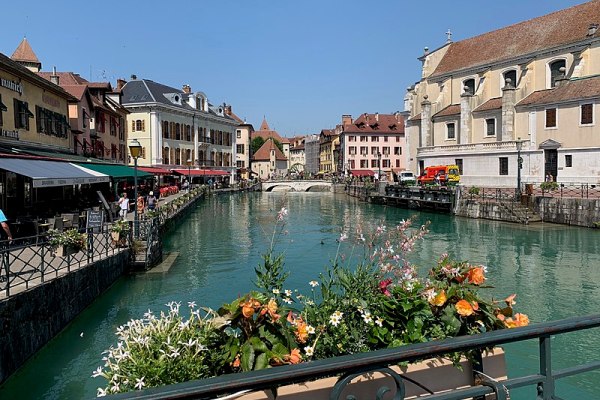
x,y
59,224
67,220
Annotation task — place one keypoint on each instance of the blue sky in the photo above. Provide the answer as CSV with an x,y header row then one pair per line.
x,y
302,64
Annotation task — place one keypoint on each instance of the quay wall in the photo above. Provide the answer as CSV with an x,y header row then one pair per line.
x,y
484,210
569,211
30,319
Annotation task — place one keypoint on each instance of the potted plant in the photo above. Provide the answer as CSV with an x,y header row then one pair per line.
x,y
119,231
68,242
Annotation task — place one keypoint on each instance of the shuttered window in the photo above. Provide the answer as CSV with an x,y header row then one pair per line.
x,y
551,118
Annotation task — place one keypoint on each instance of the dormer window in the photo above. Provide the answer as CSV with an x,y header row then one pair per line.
x,y
469,86
512,75
555,71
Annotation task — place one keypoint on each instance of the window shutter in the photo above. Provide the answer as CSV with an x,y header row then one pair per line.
x,y
133,126
143,126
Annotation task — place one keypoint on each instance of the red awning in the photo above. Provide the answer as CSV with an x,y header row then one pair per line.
x,y
155,171
362,172
201,172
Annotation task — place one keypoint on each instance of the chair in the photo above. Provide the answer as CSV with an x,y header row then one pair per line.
x,y
59,224
67,220
75,221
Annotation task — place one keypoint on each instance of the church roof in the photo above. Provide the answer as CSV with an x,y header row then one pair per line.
x,y
25,53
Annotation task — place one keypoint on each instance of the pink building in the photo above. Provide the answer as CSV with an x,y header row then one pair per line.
x,y
373,143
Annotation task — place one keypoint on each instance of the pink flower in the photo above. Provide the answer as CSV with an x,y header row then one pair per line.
x,y
383,287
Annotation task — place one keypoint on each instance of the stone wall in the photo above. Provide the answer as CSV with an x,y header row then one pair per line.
x,y
485,210
581,212
29,320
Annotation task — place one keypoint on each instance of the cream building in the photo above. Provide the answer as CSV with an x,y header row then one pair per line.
x,y
535,83
177,125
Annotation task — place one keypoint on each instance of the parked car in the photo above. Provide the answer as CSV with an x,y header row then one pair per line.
x,y
405,178
439,175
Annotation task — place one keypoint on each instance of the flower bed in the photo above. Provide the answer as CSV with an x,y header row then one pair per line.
x,y
377,303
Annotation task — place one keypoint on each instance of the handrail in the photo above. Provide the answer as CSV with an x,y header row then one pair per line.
x,y
376,360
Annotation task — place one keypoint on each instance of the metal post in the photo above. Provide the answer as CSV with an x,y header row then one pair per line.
x,y
519,166
379,164
135,214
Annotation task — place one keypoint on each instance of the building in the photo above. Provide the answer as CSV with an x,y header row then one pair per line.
x,y
177,126
265,133
327,142
373,143
269,162
297,155
311,154
531,90
97,118
243,149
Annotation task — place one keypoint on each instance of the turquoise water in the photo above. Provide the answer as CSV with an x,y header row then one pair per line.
x,y
555,271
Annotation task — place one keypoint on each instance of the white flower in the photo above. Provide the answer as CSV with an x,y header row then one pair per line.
x,y
309,350
139,383
367,318
313,283
288,292
97,372
148,314
101,392
309,302
343,237
379,321
115,388
275,291
430,294
336,318
192,304
310,329
287,300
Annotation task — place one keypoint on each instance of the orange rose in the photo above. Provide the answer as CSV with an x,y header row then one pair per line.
x,y
302,331
464,308
475,276
518,320
236,362
294,357
271,308
439,299
248,308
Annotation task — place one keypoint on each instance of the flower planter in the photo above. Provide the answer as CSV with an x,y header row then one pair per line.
x,y
65,251
435,374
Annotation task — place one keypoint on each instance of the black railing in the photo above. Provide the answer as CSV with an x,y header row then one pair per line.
x,y
31,261
345,366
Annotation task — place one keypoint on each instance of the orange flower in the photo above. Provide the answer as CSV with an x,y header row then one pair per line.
x,y
475,276
248,308
294,357
464,308
510,300
518,320
302,331
475,306
439,299
271,308
236,362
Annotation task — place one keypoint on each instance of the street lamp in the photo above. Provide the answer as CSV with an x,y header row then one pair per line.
x,y
135,148
379,164
519,145
189,164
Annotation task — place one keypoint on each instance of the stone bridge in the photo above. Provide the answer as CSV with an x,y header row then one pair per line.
x,y
297,186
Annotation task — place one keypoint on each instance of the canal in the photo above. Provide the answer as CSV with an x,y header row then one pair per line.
x,y
555,271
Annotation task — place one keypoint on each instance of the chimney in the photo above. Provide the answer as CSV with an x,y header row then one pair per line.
x,y
377,116
227,109
187,89
120,84
54,78
133,77
346,120
593,28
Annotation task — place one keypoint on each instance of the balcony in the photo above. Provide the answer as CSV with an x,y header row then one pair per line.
x,y
467,148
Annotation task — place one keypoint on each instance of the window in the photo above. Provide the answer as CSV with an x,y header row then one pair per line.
x,y
397,139
352,150
503,165
587,114
239,133
363,138
352,138
137,125
374,150
555,71
385,163
364,163
2,109
240,148
373,163
22,114
512,75
459,164
364,150
568,160
469,86
385,138
397,151
551,118
451,131
490,127
374,138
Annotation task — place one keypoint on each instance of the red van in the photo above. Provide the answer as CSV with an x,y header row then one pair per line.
x,y
439,174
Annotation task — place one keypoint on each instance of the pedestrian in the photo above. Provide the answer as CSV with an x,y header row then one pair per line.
x,y
124,206
151,201
5,226
141,204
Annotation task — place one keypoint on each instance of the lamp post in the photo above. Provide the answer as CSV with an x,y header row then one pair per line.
x,y
379,164
135,148
189,164
519,145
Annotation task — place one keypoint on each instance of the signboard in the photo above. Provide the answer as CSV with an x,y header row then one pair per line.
x,y
94,220
106,206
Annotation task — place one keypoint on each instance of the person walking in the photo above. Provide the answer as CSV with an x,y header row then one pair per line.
x,y
4,223
140,204
151,201
124,206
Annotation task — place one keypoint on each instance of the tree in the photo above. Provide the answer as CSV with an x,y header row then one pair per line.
x,y
258,141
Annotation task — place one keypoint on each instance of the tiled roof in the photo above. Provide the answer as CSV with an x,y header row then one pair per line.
x,y
377,123
76,91
576,89
327,132
65,78
270,134
264,126
25,53
491,104
264,153
559,28
415,118
452,109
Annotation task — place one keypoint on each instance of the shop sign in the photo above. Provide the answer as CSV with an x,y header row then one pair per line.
x,y
50,100
12,85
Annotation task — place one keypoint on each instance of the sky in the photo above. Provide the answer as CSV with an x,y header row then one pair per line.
x,y
299,64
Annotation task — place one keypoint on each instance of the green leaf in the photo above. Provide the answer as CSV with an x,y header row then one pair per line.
x,y
262,362
258,345
247,359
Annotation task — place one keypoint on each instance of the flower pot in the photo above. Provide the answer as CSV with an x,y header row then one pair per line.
x,y
435,374
115,236
65,251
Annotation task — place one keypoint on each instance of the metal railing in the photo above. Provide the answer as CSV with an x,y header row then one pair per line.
x,y
31,261
346,366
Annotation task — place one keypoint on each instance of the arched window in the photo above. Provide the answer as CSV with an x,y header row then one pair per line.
x,y
512,75
555,71
139,125
469,86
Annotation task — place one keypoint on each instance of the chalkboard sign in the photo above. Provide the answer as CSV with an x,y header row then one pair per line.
x,y
106,206
94,220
